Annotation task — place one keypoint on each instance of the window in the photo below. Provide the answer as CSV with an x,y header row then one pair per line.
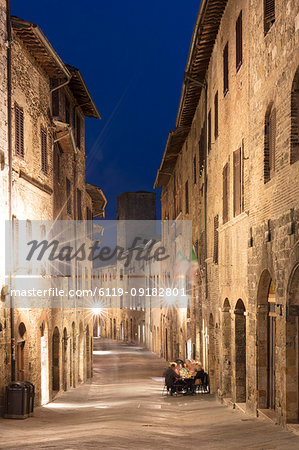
x,y
216,239
270,144
194,169
67,110
55,98
57,163
225,193
187,197
79,204
19,131
15,237
209,132
239,44
202,155
68,196
225,69
78,131
237,182
44,157
295,119
216,115
29,238
269,14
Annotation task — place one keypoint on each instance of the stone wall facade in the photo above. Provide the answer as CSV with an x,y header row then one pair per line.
x,y
53,346
244,209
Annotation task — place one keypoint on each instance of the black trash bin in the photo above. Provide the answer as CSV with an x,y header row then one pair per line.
x,y
17,401
30,396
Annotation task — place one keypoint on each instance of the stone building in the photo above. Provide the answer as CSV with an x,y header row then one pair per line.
x,y
123,316
47,102
231,166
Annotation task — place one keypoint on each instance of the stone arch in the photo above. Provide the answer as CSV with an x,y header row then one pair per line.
x,y
292,348
294,153
65,359
55,360
226,351
266,341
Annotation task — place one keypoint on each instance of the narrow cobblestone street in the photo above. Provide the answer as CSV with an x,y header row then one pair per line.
x,y
123,408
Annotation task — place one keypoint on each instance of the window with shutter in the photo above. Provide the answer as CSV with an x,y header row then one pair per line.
x,y
19,131
68,196
67,110
239,44
225,69
57,163
78,131
269,144
44,156
237,182
187,197
79,204
15,235
201,146
55,98
272,141
194,169
209,132
225,193
269,14
295,119
216,115
216,239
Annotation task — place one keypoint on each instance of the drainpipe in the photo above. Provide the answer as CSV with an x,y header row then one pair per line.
x,y
9,145
204,85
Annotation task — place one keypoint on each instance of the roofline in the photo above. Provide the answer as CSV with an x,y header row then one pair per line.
x,y
44,41
200,14
87,91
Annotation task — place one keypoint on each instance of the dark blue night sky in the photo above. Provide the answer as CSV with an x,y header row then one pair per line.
x,y
132,55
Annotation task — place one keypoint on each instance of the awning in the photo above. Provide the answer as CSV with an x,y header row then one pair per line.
x,y
176,139
65,137
99,200
81,93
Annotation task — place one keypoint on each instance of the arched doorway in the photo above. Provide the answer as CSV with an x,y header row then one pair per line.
x,y
211,354
55,360
88,355
114,328
292,363
64,360
81,354
20,353
266,338
240,352
226,372
44,358
73,357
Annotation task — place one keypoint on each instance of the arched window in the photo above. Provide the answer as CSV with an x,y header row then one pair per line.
x,y
295,119
269,144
